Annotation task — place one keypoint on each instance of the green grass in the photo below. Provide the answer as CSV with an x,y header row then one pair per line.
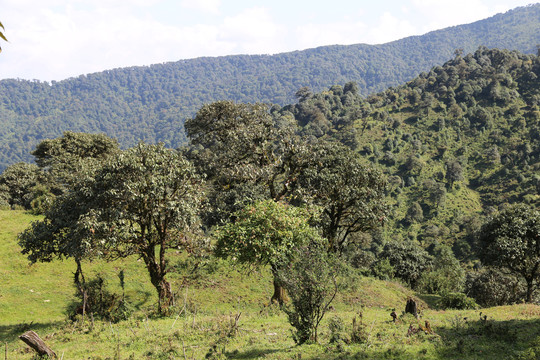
x,y
208,302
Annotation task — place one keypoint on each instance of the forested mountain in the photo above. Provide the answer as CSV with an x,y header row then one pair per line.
x,y
458,142
151,103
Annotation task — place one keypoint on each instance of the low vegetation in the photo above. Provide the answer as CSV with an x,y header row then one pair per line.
x,y
223,313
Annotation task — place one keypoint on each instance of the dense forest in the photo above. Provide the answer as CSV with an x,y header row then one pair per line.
x,y
453,146
152,103
458,143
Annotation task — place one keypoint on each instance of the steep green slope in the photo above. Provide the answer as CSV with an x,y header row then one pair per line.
x,y
151,103
457,142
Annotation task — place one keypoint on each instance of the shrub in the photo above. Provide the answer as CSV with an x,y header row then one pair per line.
x,y
337,329
408,259
447,275
492,287
382,269
103,303
310,279
458,301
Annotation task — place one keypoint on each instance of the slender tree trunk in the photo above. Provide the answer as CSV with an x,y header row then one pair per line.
x,y
280,295
80,283
530,290
157,278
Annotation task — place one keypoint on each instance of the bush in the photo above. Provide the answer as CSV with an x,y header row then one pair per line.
x,y
408,259
103,303
457,301
383,270
447,275
337,329
311,282
492,287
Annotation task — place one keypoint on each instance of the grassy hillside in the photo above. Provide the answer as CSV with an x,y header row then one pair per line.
x,y
151,103
458,142
36,298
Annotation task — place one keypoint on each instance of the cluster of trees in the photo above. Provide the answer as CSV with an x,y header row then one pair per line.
x,y
151,103
254,184
267,194
457,143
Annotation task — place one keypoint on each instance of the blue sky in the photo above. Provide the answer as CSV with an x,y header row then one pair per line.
x,y
57,39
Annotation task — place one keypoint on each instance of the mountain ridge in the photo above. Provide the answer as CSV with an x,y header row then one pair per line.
x,y
150,103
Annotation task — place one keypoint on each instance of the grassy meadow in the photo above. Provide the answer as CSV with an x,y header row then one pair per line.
x,y
223,313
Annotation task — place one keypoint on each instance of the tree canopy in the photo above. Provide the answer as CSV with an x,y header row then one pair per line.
x,y
143,202
265,233
350,192
511,240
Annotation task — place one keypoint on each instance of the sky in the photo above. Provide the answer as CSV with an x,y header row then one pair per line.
x,y
58,39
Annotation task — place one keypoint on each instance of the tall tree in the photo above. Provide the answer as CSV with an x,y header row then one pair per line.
x,y
63,158
244,154
350,193
511,240
143,202
246,158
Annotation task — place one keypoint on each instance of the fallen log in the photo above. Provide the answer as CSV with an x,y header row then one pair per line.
x,y
34,341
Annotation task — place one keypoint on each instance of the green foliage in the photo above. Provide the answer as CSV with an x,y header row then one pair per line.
x,y
310,278
349,192
143,202
446,275
494,287
511,240
103,303
382,269
408,260
17,183
243,155
337,329
150,103
63,159
457,301
264,233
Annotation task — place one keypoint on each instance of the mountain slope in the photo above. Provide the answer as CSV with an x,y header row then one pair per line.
x,y
151,103
457,143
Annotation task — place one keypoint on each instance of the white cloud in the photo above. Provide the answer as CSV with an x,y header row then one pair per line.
x,y
390,28
55,39
210,6
439,14
252,31
313,35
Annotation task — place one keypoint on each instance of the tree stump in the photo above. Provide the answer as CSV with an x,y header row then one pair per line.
x,y
411,307
34,341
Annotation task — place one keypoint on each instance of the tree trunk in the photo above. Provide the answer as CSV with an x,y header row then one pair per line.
x,y
411,307
530,290
34,341
157,278
280,295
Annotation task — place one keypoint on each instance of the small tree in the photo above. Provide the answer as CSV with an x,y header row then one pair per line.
x,y
408,260
19,180
454,173
64,158
511,240
310,278
265,233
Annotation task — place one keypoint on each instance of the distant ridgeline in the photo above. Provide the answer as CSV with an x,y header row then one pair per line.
x,y
456,142
152,103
